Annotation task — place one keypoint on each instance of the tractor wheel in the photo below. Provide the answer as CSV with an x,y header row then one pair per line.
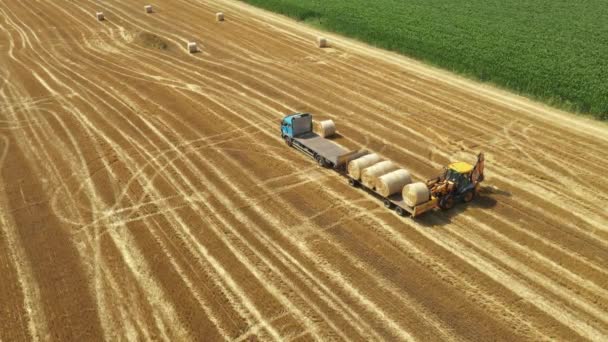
x,y
388,203
447,203
469,196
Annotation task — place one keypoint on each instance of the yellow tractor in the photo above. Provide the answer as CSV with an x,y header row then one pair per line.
x,y
459,182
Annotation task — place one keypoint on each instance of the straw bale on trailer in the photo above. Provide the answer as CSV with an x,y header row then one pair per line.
x,y
192,47
356,166
219,16
148,8
100,16
322,42
370,175
325,128
393,182
416,193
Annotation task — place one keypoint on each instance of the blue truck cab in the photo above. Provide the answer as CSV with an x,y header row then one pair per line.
x,y
295,125
297,131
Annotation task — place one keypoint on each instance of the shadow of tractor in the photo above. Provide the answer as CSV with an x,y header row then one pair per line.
x,y
487,198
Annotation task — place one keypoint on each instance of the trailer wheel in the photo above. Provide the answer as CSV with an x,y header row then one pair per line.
x,y
400,211
321,160
388,203
352,182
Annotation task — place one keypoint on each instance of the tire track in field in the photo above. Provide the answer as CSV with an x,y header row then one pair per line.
x,y
72,139
258,105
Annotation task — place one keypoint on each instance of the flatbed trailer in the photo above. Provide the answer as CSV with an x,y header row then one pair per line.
x,y
396,201
326,152
297,132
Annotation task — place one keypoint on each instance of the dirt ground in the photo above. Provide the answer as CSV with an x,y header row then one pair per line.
x,y
145,192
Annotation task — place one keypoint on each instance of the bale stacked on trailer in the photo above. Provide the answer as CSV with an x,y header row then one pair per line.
x,y
355,167
393,182
370,175
325,128
416,193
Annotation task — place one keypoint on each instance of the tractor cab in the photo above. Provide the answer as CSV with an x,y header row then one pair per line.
x,y
459,174
459,181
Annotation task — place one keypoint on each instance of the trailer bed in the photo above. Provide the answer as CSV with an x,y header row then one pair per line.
x,y
396,201
322,146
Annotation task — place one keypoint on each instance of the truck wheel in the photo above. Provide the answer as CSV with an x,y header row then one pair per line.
x,y
469,196
400,211
352,182
288,141
388,203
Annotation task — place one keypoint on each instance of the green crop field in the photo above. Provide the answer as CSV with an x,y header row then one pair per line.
x,y
552,50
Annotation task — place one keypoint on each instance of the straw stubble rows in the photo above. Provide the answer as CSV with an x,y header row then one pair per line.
x,y
146,192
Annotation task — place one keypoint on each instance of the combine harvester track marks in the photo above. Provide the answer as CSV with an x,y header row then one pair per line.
x,y
37,323
220,75
280,81
42,149
553,282
156,170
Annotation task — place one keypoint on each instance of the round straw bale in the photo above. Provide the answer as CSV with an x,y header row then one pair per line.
x,y
416,193
325,128
192,47
393,182
355,167
370,174
322,42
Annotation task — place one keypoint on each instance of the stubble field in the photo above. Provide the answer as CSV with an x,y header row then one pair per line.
x,y
146,193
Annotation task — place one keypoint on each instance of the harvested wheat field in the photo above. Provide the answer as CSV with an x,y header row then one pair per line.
x,y
146,192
